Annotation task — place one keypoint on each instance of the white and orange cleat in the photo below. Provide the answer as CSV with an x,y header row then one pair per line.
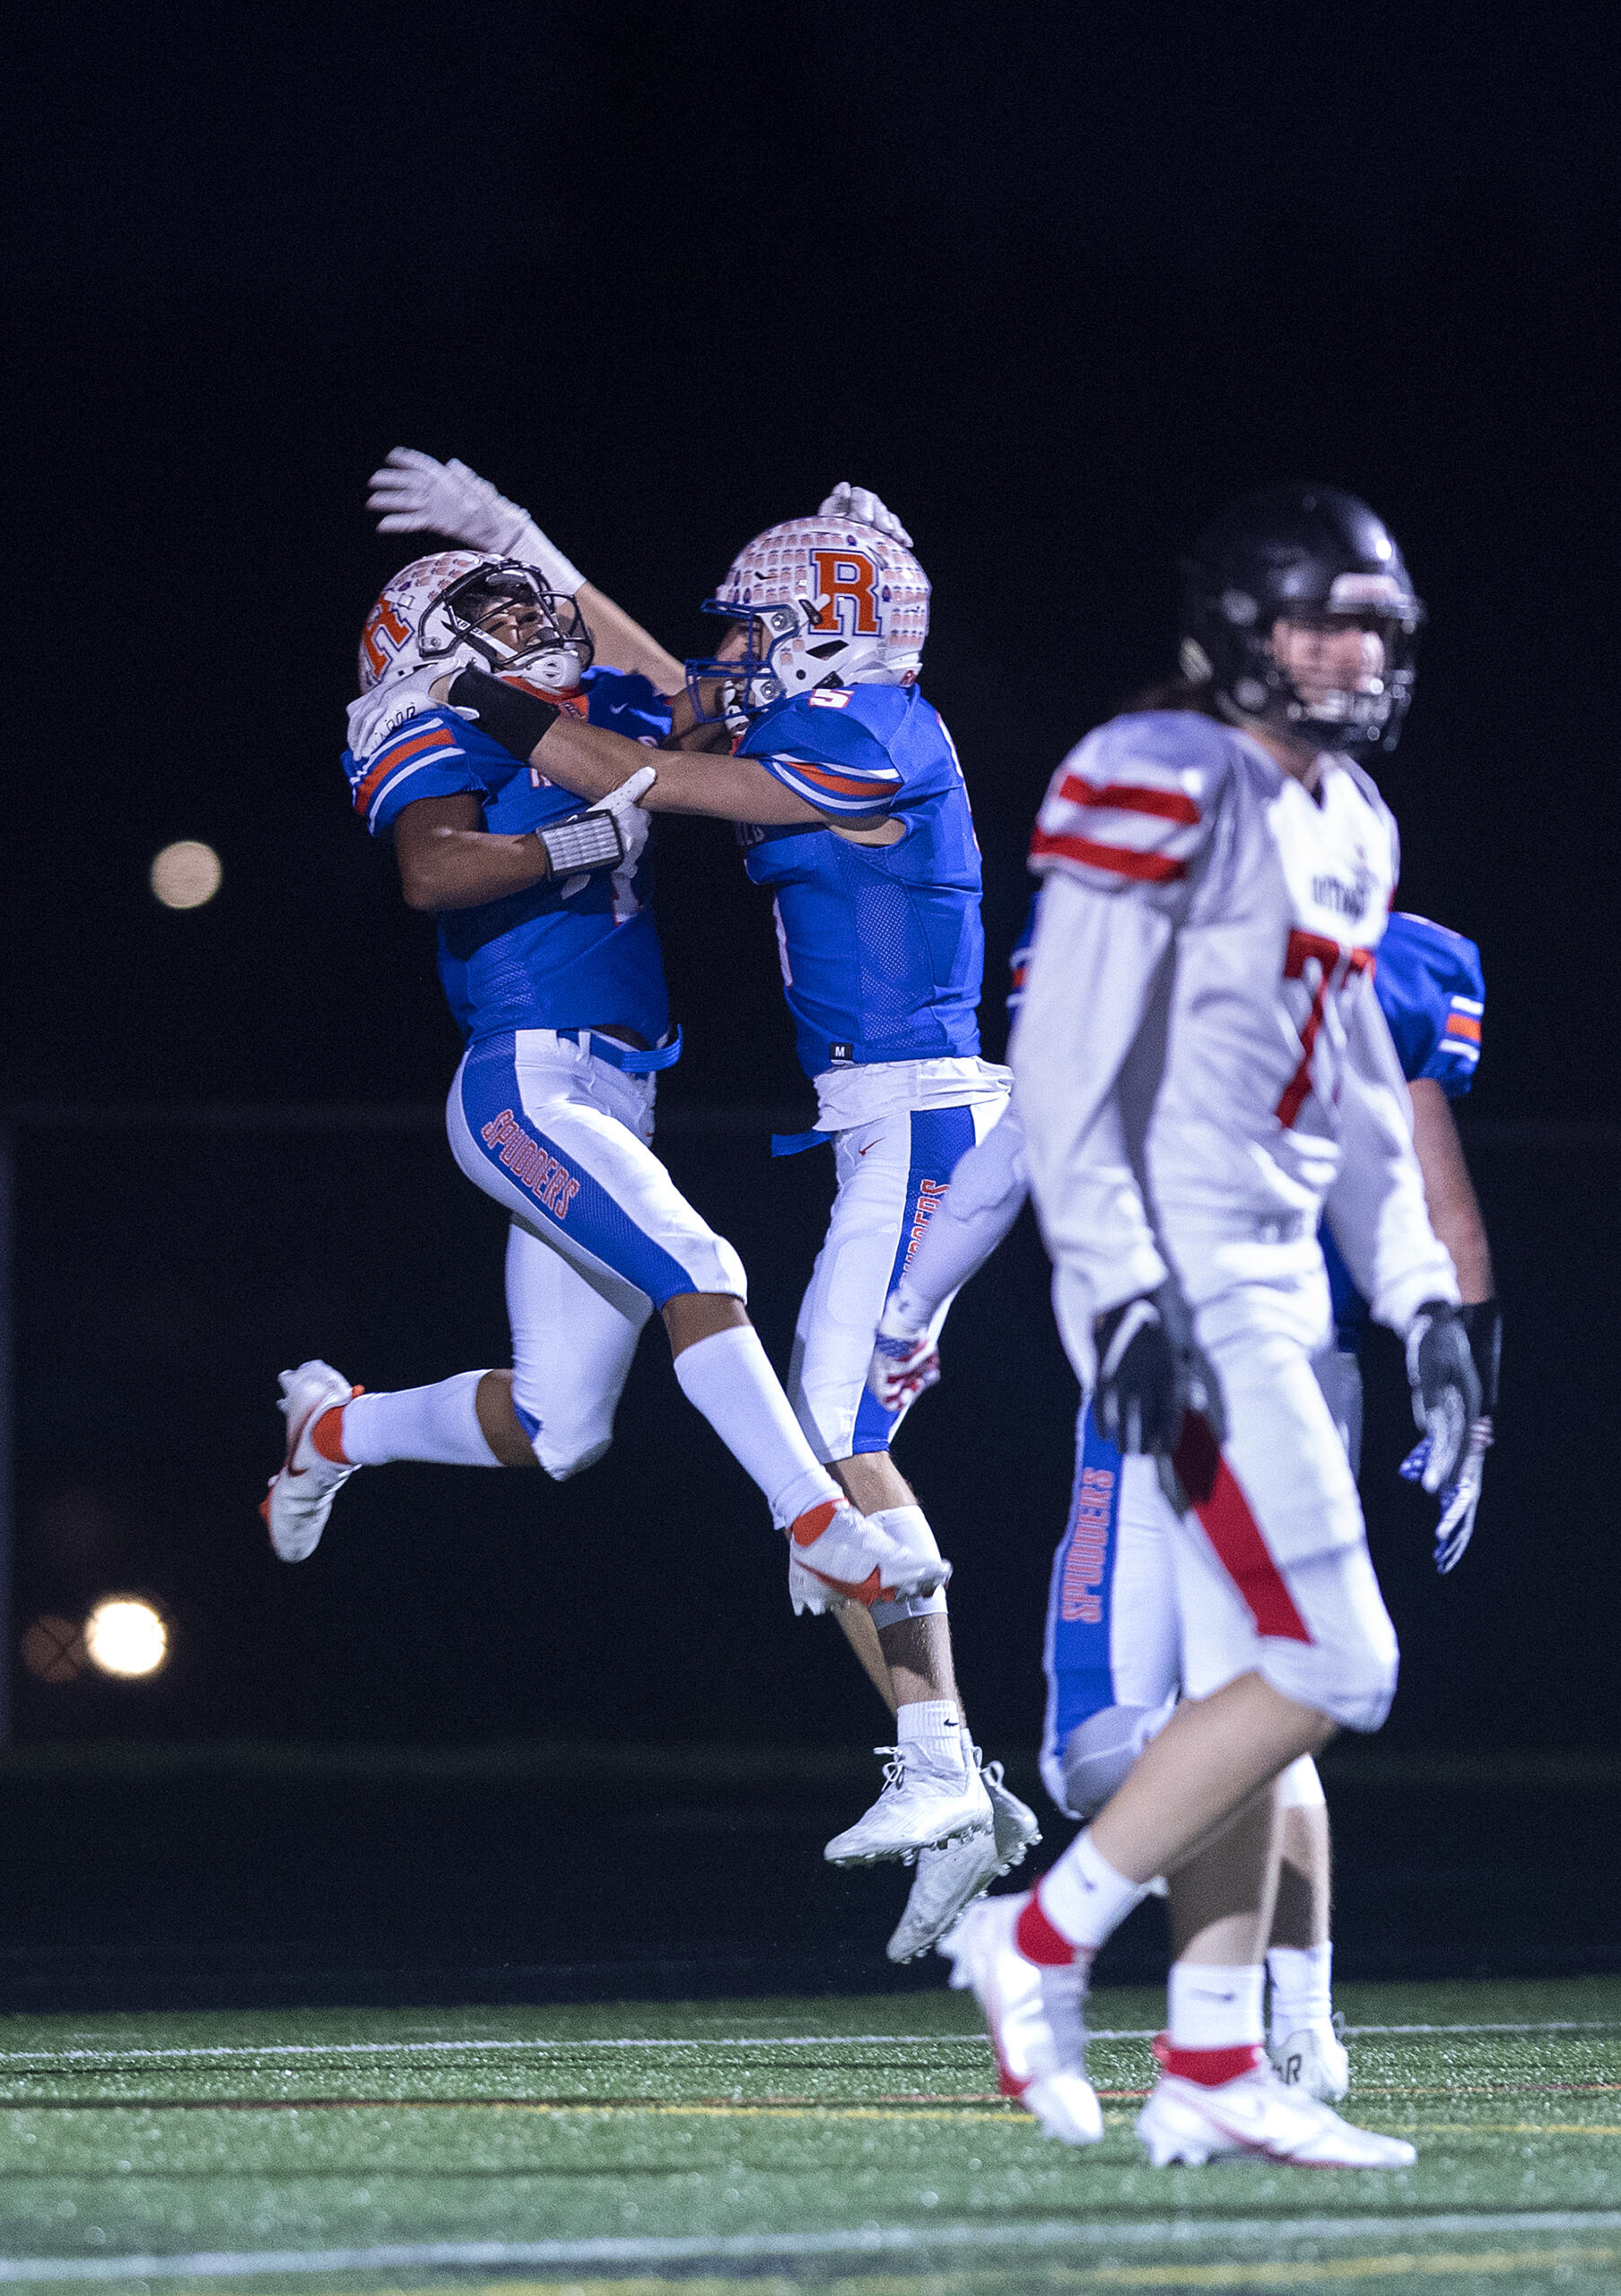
x,y
300,1495
1250,2111
1035,2013
837,1556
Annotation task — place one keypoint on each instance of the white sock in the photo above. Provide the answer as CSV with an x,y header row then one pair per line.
x,y
729,1379
1215,2007
1084,1899
932,1729
1302,1987
438,1424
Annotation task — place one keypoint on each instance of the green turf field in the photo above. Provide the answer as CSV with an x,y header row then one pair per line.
x,y
849,2144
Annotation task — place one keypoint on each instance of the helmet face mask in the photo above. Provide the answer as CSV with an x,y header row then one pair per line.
x,y
820,602
465,608
1297,609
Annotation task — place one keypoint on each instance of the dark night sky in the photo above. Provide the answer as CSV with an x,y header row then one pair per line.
x,y
1054,281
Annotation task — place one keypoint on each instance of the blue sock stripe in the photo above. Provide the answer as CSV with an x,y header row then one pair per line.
x,y
940,1139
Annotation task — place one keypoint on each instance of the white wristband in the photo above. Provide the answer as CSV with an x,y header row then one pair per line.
x,y
587,842
530,547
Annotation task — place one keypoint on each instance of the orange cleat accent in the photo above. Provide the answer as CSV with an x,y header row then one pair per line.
x,y
814,1522
327,1432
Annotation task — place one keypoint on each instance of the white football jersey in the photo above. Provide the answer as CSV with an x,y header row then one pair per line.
x,y
1201,1052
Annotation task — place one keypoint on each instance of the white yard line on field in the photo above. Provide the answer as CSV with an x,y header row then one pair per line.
x,y
113,2055
898,2240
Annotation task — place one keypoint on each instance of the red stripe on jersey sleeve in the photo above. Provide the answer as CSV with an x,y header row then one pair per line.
x,y
440,738
840,785
1230,1525
1127,797
1152,868
1463,1024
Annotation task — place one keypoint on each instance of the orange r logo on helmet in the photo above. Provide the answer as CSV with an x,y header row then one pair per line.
x,y
846,574
383,634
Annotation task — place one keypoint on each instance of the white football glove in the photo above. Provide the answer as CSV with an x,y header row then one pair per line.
x,y
418,495
904,1361
1460,1499
861,504
609,835
386,707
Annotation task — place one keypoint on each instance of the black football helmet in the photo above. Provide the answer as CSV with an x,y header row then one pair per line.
x,y
1316,557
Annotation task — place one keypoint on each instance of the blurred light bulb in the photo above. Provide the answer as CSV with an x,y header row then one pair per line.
x,y
125,1636
187,875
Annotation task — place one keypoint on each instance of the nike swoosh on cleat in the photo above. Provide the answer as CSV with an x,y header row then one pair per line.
x,y
870,1590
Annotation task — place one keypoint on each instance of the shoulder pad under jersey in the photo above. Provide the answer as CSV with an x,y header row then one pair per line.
x,y
426,757
1132,805
626,704
1433,993
831,747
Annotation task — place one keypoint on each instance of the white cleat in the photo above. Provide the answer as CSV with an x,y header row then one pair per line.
x,y
1035,2018
837,1556
931,1795
1018,1829
951,1875
1183,2120
1313,2060
300,1495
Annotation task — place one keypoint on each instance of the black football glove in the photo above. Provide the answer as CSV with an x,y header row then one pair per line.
x,y
1151,1375
1446,1389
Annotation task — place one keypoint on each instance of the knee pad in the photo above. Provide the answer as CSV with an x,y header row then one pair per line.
x,y
908,1527
564,1449
1347,1673
1094,1758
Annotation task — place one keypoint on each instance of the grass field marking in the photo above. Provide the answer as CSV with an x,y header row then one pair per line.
x,y
114,2054
200,2052
238,2264
1338,2273
1552,2025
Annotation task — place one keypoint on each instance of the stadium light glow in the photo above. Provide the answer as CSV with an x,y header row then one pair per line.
x,y
126,1637
186,875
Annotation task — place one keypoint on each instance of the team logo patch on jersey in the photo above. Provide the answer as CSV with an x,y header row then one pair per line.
x,y
533,1167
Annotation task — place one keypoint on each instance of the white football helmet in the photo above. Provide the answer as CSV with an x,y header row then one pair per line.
x,y
824,600
436,610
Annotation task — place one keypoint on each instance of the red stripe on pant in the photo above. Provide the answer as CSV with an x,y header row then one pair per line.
x,y
1231,1530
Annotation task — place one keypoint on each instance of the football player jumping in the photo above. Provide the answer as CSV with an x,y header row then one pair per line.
x,y
1203,1071
857,816
553,968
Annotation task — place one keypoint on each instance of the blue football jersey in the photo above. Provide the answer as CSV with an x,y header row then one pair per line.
x,y
578,954
881,949
1433,993
1019,964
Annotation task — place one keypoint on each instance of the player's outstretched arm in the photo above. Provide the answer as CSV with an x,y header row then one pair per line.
x,y
448,860
415,494
591,761
989,1186
1448,1191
